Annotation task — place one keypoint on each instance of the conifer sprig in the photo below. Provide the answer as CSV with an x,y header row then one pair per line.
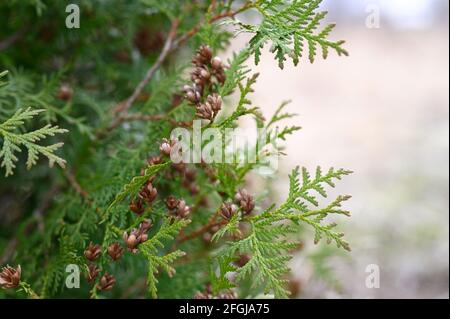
x,y
151,250
290,27
13,139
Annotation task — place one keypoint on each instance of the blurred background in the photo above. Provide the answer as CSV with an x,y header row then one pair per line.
x,y
382,112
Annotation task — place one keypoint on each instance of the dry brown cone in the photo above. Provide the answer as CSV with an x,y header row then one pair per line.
x,y
131,241
106,282
171,203
200,76
137,236
148,193
242,260
92,252
143,229
93,271
182,209
192,93
215,102
203,56
227,210
65,92
137,207
218,69
245,201
10,277
166,146
115,251
217,64
205,111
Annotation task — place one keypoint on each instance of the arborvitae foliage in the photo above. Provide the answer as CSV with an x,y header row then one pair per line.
x,y
135,223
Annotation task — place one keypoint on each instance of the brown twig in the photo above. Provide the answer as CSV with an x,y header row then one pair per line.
x,y
70,175
205,228
148,76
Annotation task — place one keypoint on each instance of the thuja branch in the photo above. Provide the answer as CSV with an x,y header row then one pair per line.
x,y
150,73
170,45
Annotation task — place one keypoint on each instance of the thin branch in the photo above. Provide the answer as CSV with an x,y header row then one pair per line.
x,y
148,76
75,185
204,229
170,45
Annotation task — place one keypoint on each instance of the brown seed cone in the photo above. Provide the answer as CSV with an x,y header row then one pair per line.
x,y
92,252
137,206
203,56
141,232
93,271
148,193
131,241
115,251
242,261
171,202
106,282
220,76
192,94
217,64
166,146
245,201
215,101
65,92
182,209
10,277
205,111
227,210
200,76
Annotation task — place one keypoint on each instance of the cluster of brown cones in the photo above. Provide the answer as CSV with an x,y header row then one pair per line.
x,y
208,69
115,252
137,236
147,195
245,202
177,207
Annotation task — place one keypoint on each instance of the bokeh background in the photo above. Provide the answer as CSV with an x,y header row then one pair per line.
x,y
382,112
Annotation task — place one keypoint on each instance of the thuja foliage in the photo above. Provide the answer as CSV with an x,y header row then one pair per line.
x,y
117,208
